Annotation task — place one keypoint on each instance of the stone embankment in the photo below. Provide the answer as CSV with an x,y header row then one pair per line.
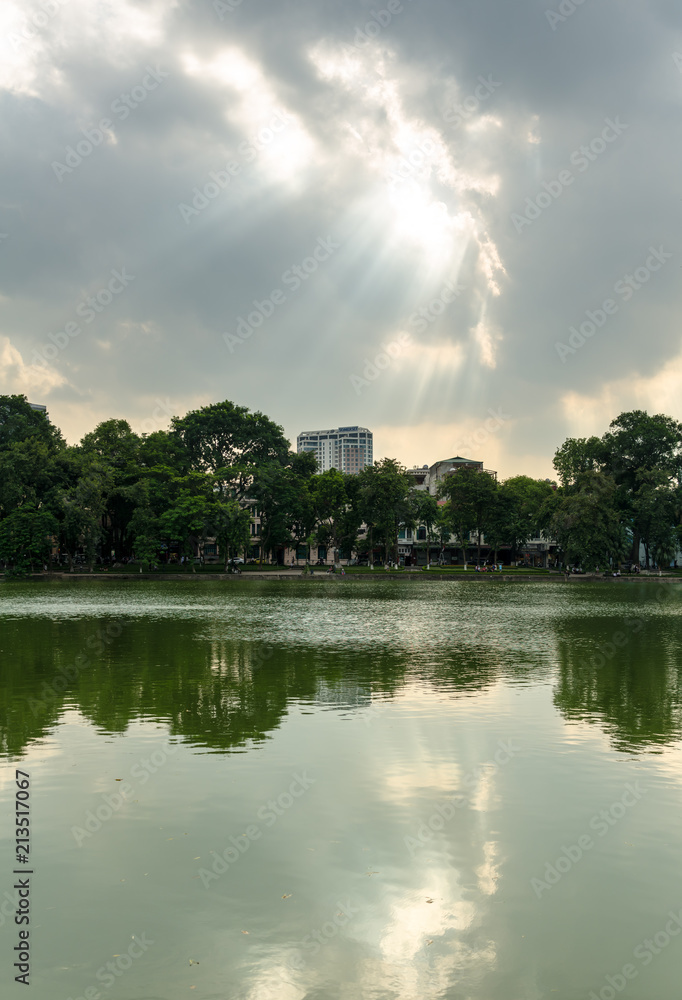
x,y
379,574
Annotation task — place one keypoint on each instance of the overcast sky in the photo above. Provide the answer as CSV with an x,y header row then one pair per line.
x,y
370,161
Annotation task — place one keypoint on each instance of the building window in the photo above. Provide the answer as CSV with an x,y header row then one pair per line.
x,y
421,534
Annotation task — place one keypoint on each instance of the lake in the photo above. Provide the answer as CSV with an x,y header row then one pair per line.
x,y
344,789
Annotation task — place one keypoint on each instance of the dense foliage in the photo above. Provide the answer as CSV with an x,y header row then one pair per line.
x,y
620,490
119,496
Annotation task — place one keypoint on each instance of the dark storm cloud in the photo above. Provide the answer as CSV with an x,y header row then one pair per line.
x,y
329,173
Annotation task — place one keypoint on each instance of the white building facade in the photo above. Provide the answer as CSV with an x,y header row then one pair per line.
x,y
427,477
348,449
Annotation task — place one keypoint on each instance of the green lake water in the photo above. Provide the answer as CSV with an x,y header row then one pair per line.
x,y
344,789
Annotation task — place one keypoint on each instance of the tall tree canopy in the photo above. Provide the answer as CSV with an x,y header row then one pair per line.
x,y
586,523
643,456
231,441
119,493
383,503
471,496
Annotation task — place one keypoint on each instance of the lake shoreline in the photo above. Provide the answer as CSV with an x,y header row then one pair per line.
x,y
322,575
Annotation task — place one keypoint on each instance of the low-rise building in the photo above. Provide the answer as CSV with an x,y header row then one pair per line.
x,y
428,477
449,466
420,477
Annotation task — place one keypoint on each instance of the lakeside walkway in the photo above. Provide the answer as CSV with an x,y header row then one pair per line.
x,y
378,574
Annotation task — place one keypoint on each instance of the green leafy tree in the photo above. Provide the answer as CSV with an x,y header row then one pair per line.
x,y
346,519
146,531
457,513
471,496
187,519
443,527
81,510
26,538
20,422
653,508
336,516
577,456
231,443
31,473
32,457
232,525
172,511
163,448
586,522
284,501
638,444
498,523
383,503
519,514
425,514
149,497
111,452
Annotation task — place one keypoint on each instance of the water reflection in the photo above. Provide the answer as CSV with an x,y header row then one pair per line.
x,y
623,672
405,869
222,668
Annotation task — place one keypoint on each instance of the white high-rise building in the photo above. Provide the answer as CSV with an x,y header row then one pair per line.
x,y
348,449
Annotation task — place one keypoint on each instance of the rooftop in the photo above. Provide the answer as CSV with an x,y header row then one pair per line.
x,y
336,430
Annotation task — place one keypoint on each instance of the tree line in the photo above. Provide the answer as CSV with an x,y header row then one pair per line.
x,y
118,495
615,493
